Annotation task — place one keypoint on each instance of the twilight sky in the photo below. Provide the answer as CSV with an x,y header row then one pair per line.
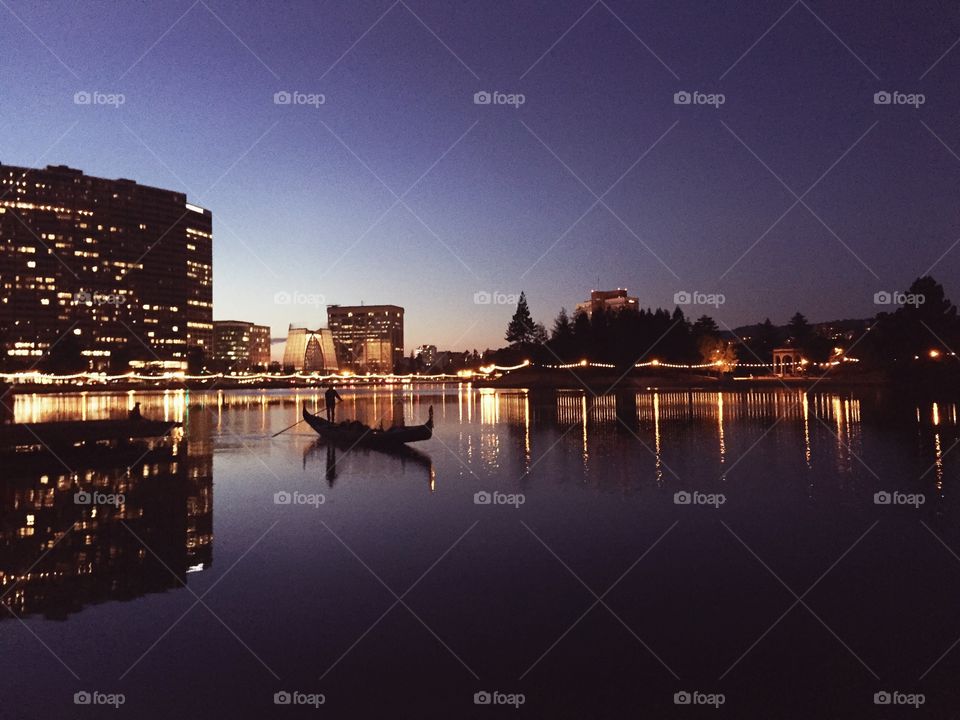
x,y
798,192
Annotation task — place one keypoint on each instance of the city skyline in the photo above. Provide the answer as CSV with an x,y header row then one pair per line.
x,y
800,191
421,358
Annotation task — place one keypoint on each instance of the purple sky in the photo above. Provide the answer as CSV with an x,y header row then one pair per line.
x,y
496,198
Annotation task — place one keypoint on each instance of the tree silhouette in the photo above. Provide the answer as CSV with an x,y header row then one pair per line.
x,y
520,329
562,335
538,335
799,330
927,321
562,327
705,325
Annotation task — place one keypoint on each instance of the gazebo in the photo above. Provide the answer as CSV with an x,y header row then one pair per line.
x,y
787,361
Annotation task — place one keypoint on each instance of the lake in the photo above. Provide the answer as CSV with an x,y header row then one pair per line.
x,y
767,553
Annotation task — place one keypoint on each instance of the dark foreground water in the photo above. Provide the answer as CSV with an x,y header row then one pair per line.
x,y
586,557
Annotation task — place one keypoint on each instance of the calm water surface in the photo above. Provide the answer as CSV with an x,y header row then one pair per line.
x,y
634,546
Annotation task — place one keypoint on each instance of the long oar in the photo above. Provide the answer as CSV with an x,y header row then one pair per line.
x,y
287,428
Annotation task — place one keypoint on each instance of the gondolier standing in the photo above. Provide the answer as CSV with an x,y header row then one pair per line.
x,y
332,396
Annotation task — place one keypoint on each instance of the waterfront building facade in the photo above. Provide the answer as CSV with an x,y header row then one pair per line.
x,y
239,345
310,351
368,338
116,273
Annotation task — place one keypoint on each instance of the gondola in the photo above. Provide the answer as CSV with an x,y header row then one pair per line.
x,y
356,433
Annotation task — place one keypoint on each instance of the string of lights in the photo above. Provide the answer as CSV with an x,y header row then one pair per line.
x,y
35,376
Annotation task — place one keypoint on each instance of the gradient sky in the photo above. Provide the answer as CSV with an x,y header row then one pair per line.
x,y
499,199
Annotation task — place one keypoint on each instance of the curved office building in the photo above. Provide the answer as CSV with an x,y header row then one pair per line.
x,y
310,350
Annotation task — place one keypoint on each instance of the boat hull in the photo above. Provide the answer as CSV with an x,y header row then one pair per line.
x,y
357,434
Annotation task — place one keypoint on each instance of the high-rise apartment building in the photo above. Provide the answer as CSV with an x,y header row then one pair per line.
x,y
119,272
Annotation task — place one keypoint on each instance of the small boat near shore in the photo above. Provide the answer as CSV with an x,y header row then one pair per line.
x,y
356,433
63,434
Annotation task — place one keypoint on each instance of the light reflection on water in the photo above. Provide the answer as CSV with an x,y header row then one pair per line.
x,y
599,475
481,416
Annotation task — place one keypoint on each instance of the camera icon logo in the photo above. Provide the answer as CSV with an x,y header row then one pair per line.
x,y
882,98
882,298
682,698
882,698
82,97
82,698
682,498
282,298
882,498
482,97
82,498
482,297
682,98
482,498
482,698
282,497
682,298
282,698
282,97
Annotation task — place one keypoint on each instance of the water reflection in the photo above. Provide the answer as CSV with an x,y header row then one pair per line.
x,y
599,477
120,523
820,441
725,425
334,457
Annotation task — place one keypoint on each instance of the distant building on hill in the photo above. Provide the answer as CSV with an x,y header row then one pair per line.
x,y
609,301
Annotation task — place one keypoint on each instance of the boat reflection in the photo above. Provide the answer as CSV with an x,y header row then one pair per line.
x,y
87,527
333,454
